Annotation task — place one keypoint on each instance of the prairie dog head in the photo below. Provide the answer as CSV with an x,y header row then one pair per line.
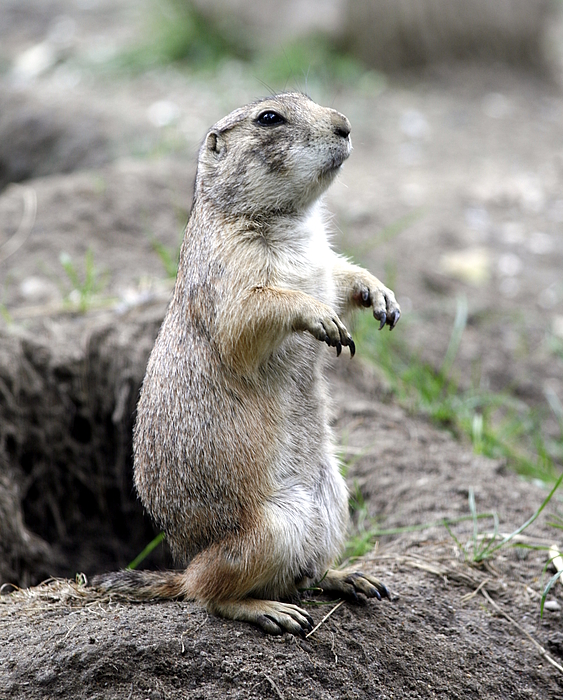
x,y
276,155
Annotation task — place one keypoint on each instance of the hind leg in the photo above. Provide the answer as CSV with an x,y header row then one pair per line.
x,y
241,579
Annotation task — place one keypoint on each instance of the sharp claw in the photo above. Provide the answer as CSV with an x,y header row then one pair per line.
x,y
376,594
327,340
365,297
383,320
352,347
384,592
396,317
338,349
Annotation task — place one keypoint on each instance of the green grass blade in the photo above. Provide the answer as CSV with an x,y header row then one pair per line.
x,y
146,551
546,590
531,520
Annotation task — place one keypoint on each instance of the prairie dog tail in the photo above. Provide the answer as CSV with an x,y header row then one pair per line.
x,y
142,585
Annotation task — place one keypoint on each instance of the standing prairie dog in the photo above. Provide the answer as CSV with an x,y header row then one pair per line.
x,y
234,456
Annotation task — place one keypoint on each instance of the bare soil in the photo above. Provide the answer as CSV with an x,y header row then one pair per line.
x,y
454,187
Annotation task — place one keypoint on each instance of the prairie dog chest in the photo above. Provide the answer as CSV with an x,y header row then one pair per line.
x,y
304,260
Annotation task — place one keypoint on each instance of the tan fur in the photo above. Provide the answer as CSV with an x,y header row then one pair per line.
x,y
234,456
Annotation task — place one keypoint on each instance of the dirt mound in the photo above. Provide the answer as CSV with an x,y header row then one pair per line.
x,y
35,141
431,640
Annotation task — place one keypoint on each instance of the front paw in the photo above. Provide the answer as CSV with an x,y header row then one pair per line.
x,y
323,323
385,307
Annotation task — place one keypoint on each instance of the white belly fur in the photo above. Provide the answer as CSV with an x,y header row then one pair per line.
x,y
308,513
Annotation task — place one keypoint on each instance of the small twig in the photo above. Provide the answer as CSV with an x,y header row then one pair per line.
x,y
26,224
538,646
69,631
191,632
332,649
274,686
468,596
325,618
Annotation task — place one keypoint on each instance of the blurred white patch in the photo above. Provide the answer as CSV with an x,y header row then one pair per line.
x,y
413,194
163,113
557,326
130,297
37,289
38,59
497,106
471,265
530,192
513,232
75,297
540,243
509,287
477,218
509,265
34,61
414,125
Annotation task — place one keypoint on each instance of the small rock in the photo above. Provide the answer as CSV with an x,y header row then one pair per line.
x,y
552,605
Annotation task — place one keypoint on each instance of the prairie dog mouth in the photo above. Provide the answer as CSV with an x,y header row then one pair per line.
x,y
335,161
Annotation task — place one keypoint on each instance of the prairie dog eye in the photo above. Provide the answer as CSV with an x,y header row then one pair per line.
x,y
270,118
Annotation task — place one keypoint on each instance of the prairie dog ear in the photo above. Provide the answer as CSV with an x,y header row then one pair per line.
x,y
214,142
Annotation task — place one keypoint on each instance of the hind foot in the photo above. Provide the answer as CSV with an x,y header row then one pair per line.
x,y
272,616
353,585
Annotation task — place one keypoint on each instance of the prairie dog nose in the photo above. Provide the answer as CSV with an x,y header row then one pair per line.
x,y
340,125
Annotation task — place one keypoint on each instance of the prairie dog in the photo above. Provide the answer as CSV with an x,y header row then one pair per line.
x,y
234,455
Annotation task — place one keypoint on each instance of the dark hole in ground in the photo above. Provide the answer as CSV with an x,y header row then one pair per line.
x,y
69,454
